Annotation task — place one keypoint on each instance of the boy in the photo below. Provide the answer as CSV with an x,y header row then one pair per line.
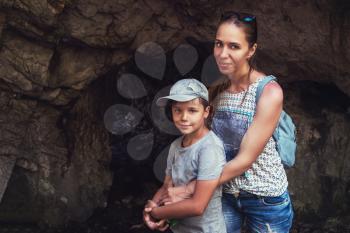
x,y
197,155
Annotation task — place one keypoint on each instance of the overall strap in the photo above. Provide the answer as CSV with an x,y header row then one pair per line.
x,y
261,86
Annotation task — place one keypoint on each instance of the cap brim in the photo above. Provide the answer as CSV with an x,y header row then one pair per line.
x,y
161,102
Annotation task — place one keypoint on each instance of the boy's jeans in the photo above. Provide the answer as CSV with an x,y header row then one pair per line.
x,y
262,214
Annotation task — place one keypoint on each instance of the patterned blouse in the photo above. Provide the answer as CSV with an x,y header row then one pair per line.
x,y
233,115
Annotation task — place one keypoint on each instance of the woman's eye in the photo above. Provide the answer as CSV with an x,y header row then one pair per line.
x,y
218,44
233,46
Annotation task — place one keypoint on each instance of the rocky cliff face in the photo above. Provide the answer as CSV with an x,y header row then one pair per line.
x,y
56,62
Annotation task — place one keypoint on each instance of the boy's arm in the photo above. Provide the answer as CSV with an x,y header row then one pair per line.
x,y
193,206
210,160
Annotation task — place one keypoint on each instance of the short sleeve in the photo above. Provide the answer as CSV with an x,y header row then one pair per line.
x,y
211,160
170,160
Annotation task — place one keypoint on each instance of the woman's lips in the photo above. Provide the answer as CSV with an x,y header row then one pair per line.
x,y
224,65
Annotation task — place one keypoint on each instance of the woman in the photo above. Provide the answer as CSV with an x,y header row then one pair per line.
x,y
255,190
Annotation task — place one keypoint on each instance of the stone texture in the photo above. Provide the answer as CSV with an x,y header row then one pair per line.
x,y
59,165
6,165
106,23
40,10
87,177
24,64
75,67
319,182
29,134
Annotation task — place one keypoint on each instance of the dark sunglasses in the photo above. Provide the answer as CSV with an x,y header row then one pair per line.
x,y
243,17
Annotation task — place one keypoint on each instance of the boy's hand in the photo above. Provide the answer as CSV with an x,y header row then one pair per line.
x,y
149,221
162,225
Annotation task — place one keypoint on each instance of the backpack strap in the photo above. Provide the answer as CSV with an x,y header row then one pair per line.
x,y
261,86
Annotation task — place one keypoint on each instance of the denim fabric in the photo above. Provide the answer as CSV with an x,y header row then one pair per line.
x,y
261,214
230,127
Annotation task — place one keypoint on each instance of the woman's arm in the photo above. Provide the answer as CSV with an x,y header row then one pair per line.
x,y
193,206
178,193
265,121
158,195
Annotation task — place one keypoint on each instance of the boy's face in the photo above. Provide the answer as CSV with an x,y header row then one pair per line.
x,y
189,116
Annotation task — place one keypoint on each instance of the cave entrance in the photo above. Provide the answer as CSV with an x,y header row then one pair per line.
x,y
141,132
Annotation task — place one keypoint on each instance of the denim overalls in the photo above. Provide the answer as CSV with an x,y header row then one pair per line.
x,y
230,126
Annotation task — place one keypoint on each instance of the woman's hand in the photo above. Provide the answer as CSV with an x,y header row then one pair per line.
x,y
179,193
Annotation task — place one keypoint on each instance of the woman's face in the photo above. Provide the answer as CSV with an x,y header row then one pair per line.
x,y
231,49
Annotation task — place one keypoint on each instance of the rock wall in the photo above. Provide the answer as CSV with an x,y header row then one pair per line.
x,y
61,158
319,183
54,150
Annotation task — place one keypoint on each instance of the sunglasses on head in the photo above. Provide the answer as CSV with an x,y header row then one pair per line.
x,y
243,17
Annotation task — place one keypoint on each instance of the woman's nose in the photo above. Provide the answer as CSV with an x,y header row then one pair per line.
x,y
223,52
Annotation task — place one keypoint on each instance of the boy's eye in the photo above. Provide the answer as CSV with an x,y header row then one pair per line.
x,y
193,110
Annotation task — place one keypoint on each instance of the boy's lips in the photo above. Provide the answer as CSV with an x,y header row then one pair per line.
x,y
184,126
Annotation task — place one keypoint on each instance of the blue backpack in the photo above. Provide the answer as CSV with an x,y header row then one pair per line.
x,y
284,134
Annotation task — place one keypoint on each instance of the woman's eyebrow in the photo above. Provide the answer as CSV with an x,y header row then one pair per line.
x,y
227,42
233,43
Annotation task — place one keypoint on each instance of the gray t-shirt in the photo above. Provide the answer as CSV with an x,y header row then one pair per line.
x,y
203,160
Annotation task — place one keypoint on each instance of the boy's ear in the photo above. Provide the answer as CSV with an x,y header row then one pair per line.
x,y
207,111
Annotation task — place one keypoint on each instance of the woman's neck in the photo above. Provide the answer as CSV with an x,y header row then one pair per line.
x,y
240,80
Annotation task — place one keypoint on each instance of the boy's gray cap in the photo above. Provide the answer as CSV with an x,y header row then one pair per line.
x,y
185,90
